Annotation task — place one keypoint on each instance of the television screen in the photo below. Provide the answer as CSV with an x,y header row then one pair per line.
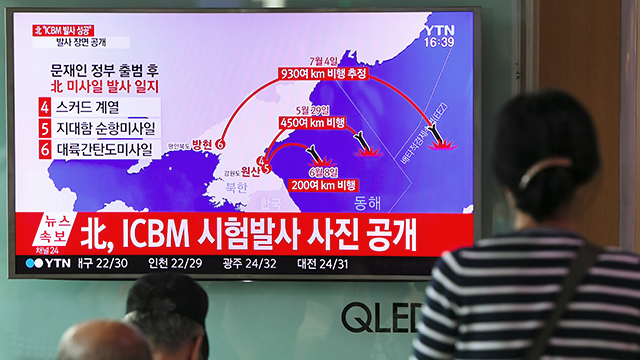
x,y
325,144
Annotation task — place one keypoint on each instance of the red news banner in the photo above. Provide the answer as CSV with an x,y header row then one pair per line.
x,y
269,234
62,30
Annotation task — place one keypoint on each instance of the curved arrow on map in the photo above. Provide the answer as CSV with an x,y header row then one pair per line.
x,y
284,146
220,142
403,95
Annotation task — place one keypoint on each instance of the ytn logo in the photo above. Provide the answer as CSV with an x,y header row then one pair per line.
x,y
358,317
57,263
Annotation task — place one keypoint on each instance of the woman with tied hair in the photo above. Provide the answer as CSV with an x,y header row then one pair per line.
x,y
489,301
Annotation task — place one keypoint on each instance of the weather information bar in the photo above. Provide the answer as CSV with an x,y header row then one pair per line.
x,y
228,266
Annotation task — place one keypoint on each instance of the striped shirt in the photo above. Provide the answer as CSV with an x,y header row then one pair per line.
x,y
489,301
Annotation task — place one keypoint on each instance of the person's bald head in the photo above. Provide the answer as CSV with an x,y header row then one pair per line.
x,y
103,340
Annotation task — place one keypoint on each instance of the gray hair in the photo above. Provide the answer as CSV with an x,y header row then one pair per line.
x,y
167,332
103,340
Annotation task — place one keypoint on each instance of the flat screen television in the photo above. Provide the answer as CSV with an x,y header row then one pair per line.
x,y
328,144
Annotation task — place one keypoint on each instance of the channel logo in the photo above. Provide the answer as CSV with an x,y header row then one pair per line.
x,y
37,263
50,263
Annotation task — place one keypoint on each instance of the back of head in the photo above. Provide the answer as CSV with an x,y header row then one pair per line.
x,y
170,310
103,340
545,148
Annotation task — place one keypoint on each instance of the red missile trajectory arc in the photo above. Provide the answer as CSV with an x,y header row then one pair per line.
x,y
404,96
317,161
440,144
284,146
266,159
271,145
220,144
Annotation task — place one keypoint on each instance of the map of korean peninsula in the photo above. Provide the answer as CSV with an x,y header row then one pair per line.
x,y
403,135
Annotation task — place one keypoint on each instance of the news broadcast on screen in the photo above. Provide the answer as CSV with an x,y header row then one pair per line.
x,y
258,144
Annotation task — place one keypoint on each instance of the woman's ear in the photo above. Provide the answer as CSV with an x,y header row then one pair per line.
x,y
195,350
509,196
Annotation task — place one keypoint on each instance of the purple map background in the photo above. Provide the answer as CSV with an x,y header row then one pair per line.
x,y
433,181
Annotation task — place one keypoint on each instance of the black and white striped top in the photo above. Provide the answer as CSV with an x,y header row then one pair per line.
x,y
488,301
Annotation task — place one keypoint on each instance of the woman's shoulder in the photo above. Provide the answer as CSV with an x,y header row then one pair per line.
x,y
615,256
542,243
521,243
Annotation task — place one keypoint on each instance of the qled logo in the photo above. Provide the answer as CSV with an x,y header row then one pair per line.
x,y
357,317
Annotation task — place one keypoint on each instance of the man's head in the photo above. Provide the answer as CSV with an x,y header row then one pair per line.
x,y
170,310
103,340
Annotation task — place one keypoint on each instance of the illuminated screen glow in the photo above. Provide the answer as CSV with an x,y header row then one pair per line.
x,y
241,145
